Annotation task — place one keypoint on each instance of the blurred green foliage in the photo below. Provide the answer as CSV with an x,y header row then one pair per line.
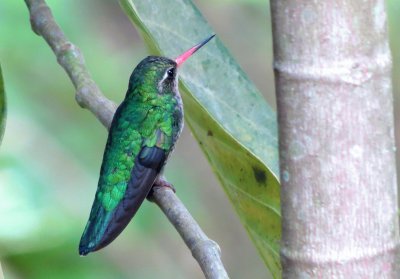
x,y
51,151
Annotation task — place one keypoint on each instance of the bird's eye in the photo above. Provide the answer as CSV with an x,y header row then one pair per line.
x,y
171,72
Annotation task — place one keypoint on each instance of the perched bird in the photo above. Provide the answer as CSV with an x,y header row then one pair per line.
x,y
143,133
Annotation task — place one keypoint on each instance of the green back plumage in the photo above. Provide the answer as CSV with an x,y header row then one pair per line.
x,y
145,119
148,120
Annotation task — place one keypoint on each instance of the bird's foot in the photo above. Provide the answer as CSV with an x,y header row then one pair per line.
x,y
160,182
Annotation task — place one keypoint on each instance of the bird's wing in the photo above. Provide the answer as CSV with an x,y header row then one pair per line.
x,y
131,163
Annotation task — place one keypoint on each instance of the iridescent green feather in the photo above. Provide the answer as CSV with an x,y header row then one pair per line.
x,y
128,138
150,116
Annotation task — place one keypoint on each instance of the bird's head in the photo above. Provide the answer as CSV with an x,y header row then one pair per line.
x,y
162,71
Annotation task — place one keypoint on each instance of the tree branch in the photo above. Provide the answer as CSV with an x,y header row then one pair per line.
x,y
88,95
204,250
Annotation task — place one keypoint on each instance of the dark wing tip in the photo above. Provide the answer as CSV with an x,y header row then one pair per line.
x,y
85,249
89,240
147,167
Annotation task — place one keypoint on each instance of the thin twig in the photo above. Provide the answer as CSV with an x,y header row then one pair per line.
x,y
88,95
204,250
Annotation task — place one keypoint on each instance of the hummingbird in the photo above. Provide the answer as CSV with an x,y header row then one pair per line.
x,y
143,133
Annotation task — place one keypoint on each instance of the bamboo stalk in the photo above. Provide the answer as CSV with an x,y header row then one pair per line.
x,y
335,109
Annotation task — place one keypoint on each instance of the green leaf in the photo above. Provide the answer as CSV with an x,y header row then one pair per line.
x,y
234,126
2,106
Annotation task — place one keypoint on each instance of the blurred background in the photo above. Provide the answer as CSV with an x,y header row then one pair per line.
x,y
52,149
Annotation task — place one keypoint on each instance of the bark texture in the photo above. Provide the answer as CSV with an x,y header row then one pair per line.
x,y
335,109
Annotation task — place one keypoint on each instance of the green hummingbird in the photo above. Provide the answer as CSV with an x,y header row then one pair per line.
x,y
142,135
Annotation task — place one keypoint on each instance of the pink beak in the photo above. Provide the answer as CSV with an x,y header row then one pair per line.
x,y
182,58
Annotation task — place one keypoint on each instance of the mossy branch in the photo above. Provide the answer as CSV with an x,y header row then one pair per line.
x,y
89,96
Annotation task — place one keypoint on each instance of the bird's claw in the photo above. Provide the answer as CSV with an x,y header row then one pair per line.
x,y
160,183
